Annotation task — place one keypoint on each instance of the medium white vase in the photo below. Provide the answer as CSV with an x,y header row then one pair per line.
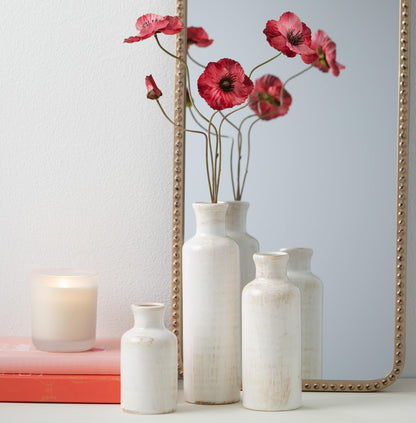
x,y
211,310
149,363
271,337
311,291
236,229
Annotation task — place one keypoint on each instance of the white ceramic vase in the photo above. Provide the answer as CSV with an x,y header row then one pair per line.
x,y
271,337
149,363
211,310
236,229
311,291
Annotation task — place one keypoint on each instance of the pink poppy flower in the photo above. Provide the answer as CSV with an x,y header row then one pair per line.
x,y
153,92
265,98
324,49
223,84
198,36
150,24
288,35
174,25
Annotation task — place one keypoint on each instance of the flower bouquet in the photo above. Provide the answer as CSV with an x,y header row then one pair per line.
x,y
225,85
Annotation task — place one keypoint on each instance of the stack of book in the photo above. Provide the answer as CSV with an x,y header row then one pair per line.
x,y
30,375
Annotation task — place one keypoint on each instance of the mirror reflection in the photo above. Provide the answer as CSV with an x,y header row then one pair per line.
x,y
323,176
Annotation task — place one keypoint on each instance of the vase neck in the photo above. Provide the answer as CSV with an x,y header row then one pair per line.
x,y
236,216
210,218
271,265
148,315
299,258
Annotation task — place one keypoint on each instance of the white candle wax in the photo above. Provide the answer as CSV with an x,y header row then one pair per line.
x,y
64,310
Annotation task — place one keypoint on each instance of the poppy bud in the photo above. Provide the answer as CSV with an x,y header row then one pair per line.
x,y
153,92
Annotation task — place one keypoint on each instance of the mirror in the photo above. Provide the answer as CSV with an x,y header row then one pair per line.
x,y
325,175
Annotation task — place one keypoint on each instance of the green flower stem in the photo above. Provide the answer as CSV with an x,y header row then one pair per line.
x,y
225,118
248,155
195,132
231,168
217,153
240,147
193,60
235,194
239,135
194,106
202,126
293,77
208,144
264,63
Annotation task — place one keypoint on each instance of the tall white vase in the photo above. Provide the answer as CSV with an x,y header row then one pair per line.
x,y
311,290
271,337
236,229
149,363
211,310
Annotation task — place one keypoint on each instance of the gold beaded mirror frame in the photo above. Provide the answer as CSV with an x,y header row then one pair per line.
x,y
401,212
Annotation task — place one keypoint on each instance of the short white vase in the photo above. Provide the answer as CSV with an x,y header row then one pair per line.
x,y
271,337
149,363
211,310
311,292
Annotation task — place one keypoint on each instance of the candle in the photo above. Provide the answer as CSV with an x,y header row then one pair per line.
x,y
64,310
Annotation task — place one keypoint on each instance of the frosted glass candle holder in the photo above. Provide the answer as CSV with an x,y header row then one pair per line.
x,y
64,310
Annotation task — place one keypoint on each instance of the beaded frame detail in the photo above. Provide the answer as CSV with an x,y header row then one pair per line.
x,y
401,217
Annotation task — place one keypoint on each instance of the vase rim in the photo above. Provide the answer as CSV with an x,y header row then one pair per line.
x,y
148,306
237,202
208,203
297,250
271,254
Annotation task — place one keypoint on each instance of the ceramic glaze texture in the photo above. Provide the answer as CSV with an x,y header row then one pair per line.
x,y
211,310
149,378
271,344
311,292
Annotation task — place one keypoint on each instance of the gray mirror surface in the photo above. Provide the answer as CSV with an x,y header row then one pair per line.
x,y
324,175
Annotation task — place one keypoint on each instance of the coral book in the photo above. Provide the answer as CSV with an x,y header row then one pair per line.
x,y
30,375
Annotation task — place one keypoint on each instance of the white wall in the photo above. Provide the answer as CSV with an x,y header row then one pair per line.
x,y
85,158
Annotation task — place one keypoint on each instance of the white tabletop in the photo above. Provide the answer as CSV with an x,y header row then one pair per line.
x,y
396,404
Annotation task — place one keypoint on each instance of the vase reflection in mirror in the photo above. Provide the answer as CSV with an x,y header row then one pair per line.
x,y
271,325
236,229
311,291
236,225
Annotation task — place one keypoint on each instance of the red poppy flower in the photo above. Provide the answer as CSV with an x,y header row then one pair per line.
x,y
265,98
153,92
324,50
223,84
198,36
288,35
150,24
